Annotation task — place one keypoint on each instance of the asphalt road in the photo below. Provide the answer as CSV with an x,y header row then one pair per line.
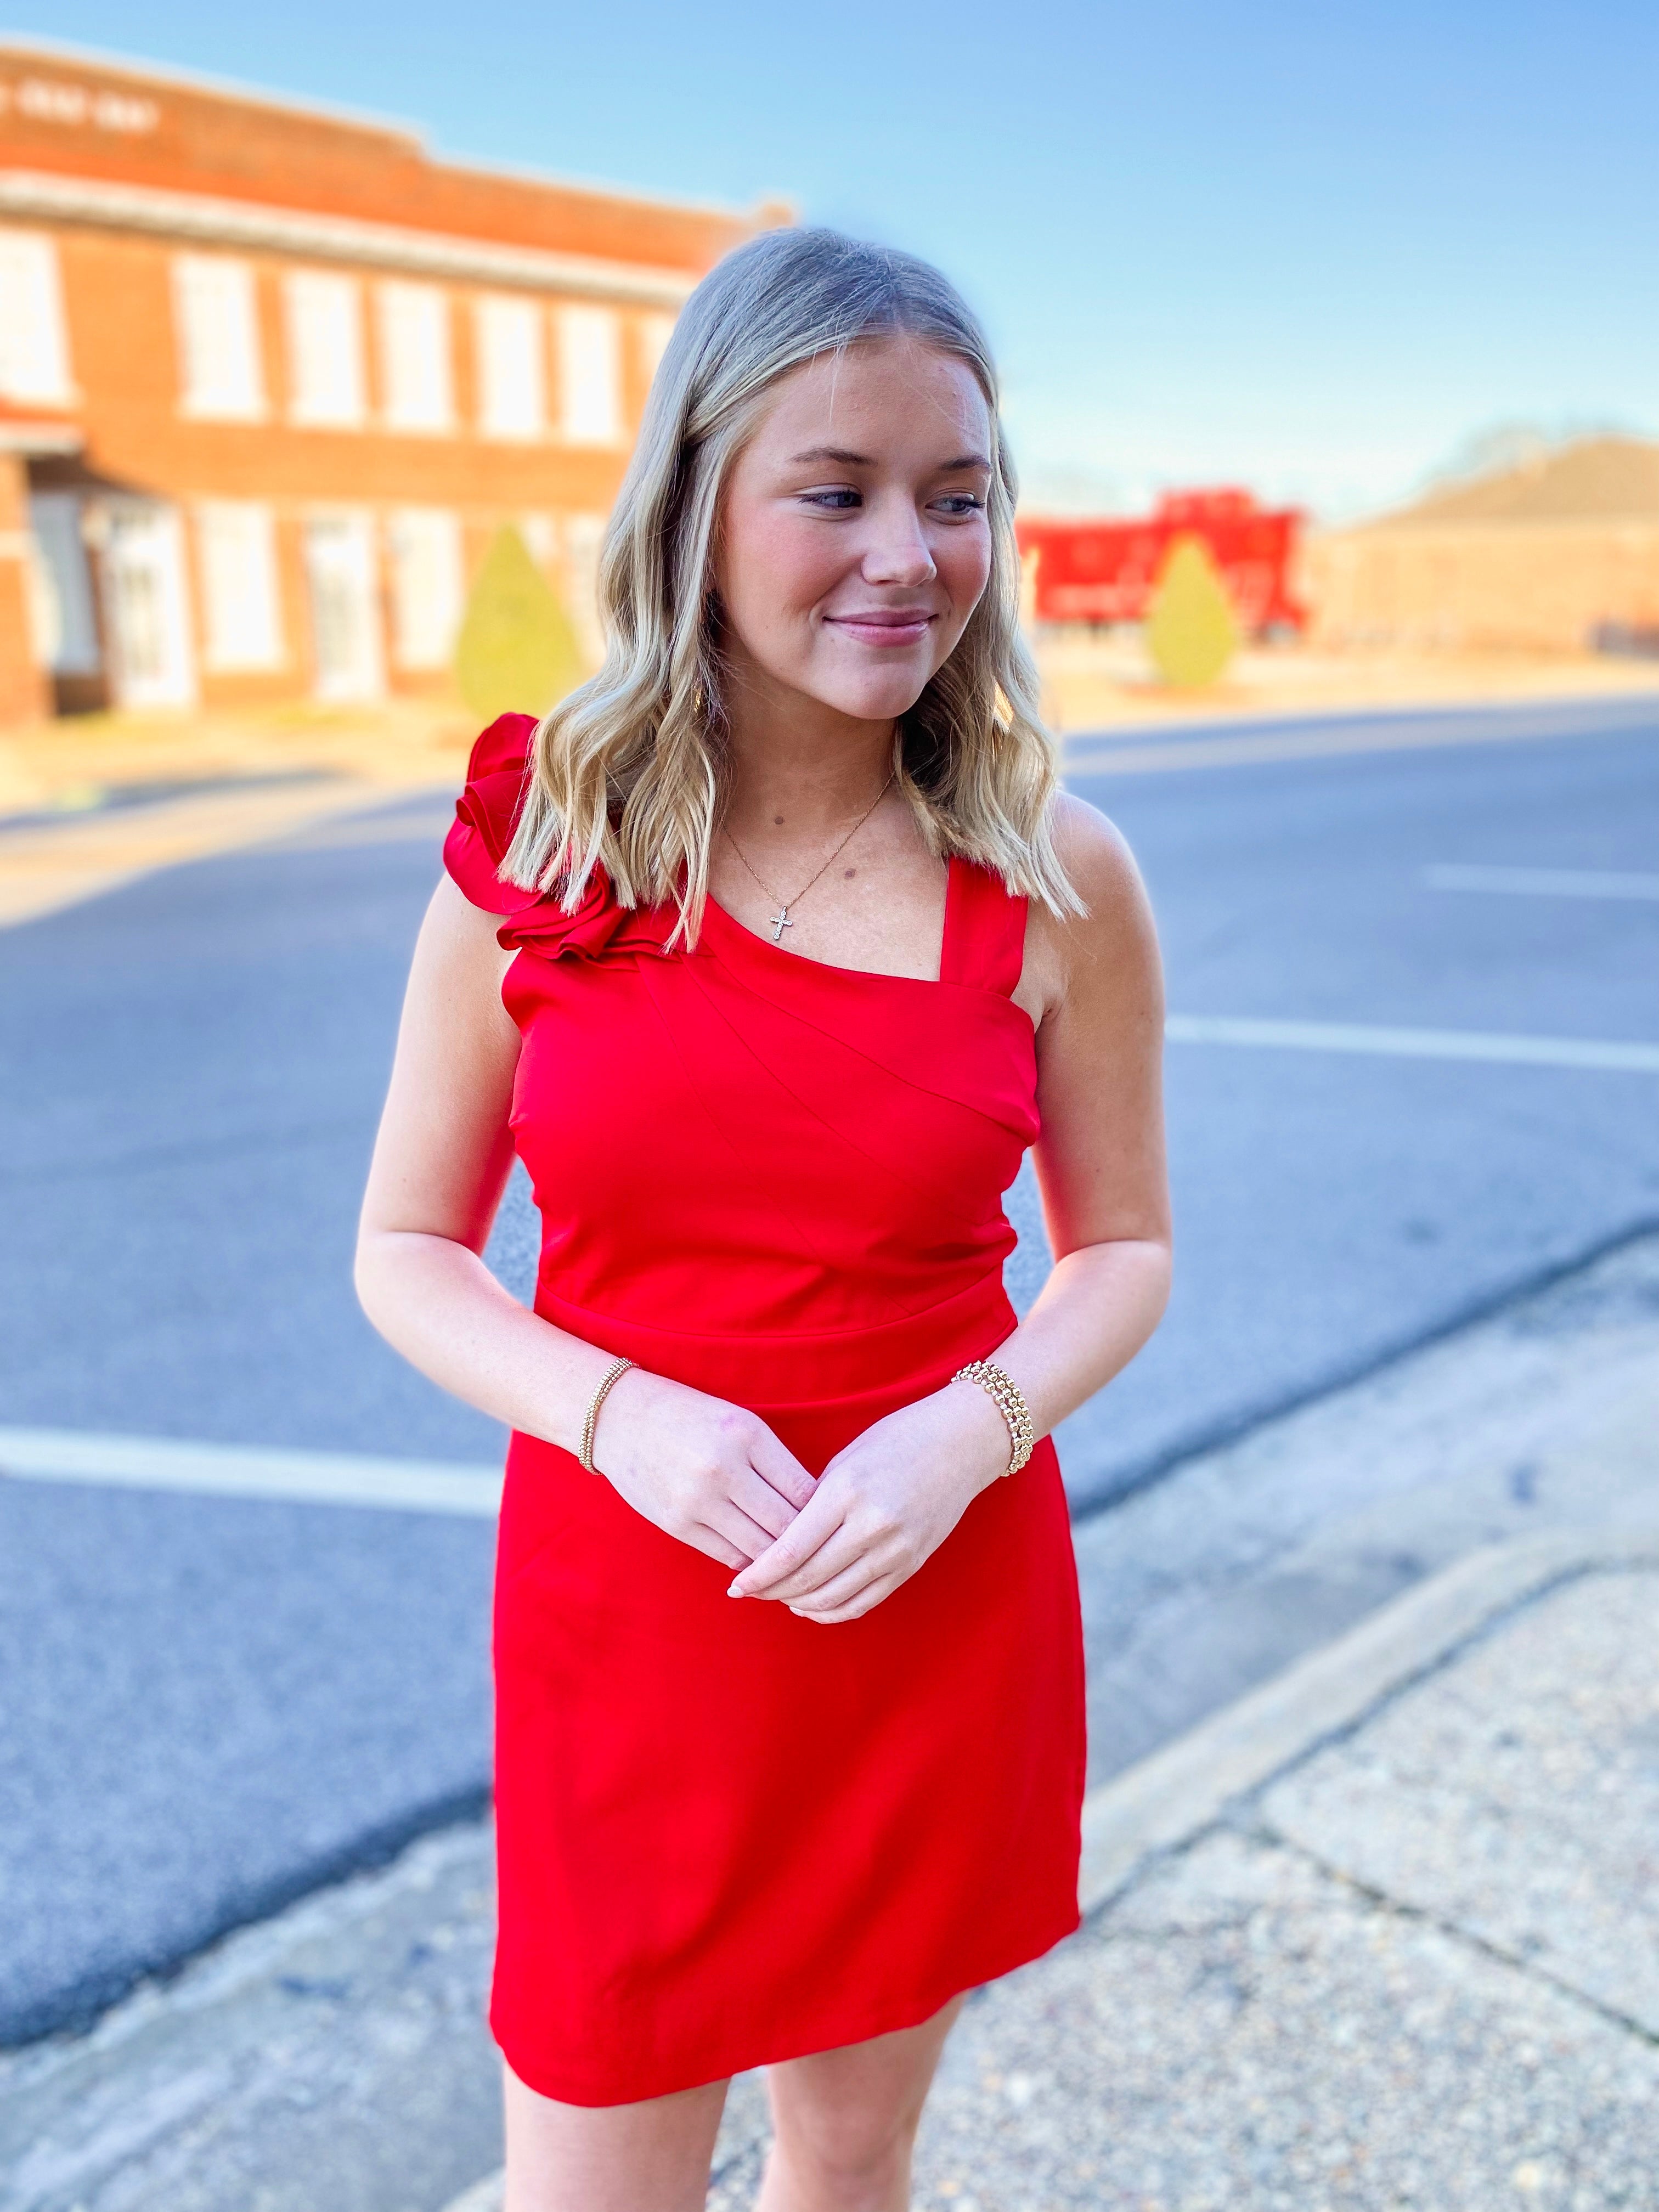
x,y
209,1703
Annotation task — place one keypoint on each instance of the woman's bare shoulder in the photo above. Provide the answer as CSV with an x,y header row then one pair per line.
x,y
1096,855
1114,934
458,943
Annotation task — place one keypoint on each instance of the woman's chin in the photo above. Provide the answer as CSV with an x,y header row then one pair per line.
x,y
880,699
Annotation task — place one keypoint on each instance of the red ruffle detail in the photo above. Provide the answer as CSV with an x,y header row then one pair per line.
x,y
486,814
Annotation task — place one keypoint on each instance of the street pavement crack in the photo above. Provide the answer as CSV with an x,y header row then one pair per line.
x,y
1263,1832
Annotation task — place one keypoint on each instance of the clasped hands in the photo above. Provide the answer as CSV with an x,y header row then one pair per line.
x,y
715,1476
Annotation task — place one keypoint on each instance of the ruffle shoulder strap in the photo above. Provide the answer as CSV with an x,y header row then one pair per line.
x,y
486,814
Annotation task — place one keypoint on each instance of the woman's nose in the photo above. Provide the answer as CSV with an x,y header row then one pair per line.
x,y
898,551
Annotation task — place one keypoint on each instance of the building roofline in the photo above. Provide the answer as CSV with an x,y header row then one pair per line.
x,y
203,81
393,126
46,196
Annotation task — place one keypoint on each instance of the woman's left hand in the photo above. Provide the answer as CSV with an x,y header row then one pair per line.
x,y
883,1506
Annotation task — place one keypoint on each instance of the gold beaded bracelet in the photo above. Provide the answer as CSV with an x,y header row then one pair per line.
x,y
618,1367
1009,1403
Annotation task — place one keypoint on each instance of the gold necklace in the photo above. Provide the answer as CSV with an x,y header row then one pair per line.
x,y
781,920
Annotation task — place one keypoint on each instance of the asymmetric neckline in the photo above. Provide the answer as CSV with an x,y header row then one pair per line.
x,y
729,920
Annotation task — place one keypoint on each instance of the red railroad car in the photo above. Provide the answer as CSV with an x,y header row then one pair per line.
x,y
1105,571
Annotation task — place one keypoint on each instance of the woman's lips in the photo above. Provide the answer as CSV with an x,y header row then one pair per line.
x,y
906,628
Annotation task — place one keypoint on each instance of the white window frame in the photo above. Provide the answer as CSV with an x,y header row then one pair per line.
x,y
163,626
34,358
242,606
654,332
323,312
429,586
64,617
215,316
540,533
417,385
583,541
353,531
511,354
590,374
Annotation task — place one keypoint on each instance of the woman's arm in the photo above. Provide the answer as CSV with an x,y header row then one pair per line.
x,y
711,1473
885,1503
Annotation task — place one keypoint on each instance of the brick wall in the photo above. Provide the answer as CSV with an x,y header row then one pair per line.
x,y
23,692
86,152
1528,587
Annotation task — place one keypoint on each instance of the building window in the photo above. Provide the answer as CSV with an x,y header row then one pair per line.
x,y
236,541
345,611
590,376
655,330
512,395
216,315
426,589
325,350
34,348
65,625
540,534
416,388
584,541
146,609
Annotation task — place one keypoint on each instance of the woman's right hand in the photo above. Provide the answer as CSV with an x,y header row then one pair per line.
x,y
710,1473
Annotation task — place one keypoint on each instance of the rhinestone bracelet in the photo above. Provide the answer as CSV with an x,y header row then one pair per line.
x,y
1009,1403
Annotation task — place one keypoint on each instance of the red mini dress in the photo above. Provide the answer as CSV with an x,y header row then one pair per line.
x,y
728,1836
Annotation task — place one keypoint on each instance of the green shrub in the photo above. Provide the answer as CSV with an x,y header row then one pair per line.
x,y
516,651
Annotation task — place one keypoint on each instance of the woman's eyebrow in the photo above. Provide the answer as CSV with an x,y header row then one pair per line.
x,y
849,460
831,454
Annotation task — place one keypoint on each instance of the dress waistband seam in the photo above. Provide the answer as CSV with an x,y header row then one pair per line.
x,y
783,1337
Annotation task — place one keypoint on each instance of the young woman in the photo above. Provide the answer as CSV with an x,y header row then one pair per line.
x,y
770,951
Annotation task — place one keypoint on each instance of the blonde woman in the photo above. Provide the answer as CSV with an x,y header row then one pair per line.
x,y
770,951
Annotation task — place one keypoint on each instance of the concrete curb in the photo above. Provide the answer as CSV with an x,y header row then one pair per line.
x,y
1168,1800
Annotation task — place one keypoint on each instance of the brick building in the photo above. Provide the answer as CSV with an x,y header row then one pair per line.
x,y
1557,554
270,378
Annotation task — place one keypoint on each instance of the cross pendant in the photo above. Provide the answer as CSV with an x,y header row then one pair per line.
x,y
780,921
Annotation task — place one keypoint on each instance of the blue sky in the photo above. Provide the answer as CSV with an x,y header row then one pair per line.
x,y
1311,249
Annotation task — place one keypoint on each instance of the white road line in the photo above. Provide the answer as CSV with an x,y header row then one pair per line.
x,y
1541,883
1310,734
1414,1044
306,1477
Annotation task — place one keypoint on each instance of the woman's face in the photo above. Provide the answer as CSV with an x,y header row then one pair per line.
x,y
854,543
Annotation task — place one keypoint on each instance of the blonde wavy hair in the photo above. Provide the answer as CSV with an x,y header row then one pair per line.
x,y
629,771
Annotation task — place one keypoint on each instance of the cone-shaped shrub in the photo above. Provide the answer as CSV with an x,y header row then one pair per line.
x,y
516,650
1192,632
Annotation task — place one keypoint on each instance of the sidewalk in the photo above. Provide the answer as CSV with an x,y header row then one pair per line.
x,y
1382,1935
86,807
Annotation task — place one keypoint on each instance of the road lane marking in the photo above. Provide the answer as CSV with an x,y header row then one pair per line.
x,y
1415,1044
1541,883
305,1478
1148,752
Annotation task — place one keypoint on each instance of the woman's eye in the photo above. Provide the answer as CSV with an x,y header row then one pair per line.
x,y
833,503
960,502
